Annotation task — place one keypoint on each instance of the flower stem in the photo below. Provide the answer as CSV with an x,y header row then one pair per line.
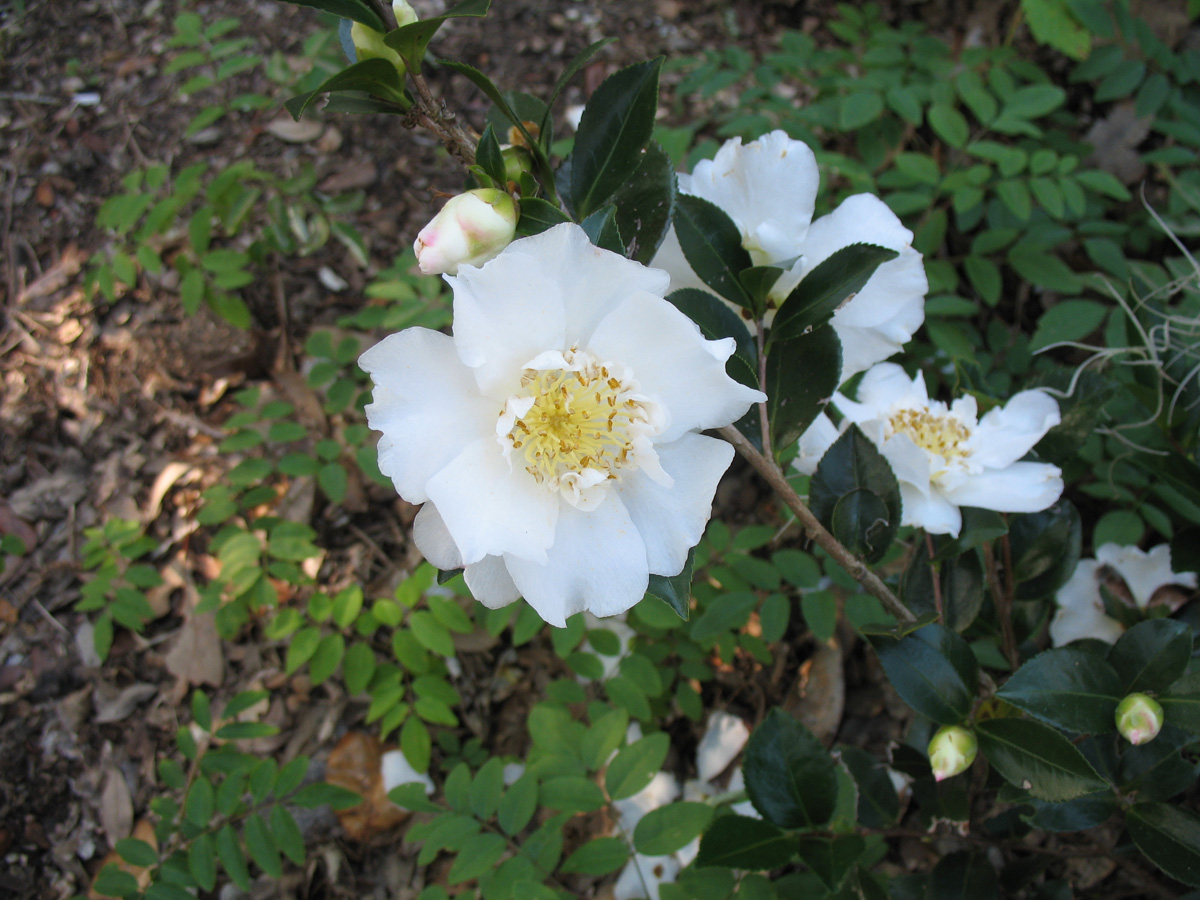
x,y
857,569
764,421
435,116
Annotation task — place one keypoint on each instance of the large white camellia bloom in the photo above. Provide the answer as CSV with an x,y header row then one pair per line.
x,y
1081,606
944,456
553,439
769,189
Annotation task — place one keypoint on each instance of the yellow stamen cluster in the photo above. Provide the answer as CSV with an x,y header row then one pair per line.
x,y
580,420
943,435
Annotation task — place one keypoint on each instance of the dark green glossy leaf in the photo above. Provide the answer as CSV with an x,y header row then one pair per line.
x,y
712,244
934,670
819,294
1181,703
354,10
489,157
601,228
1068,688
830,858
1152,655
1079,814
963,874
537,215
878,804
1037,758
1169,836
790,777
979,526
1045,548
1080,412
644,204
410,41
856,496
802,375
675,590
377,77
758,281
739,842
1157,769
669,828
616,126
960,581
356,104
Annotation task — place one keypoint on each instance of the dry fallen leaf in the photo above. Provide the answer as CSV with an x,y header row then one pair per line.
x,y
820,695
118,707
356,764
287,129
196,656
116,806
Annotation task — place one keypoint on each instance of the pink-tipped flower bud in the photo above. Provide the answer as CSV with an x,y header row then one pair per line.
x,y
1139,718
952,751
471,229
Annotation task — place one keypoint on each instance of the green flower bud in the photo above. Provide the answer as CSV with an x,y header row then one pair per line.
x,y
1139,718
368,43
405,14
516,160
952,751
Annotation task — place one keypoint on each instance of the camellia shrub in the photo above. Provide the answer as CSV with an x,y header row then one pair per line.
x,y
619,332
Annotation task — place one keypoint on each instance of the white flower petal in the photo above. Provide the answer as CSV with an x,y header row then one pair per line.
x,y
674,365
768,187
642,875
723,740
490,582
492,509
1081,609
816,440
505,314
671,520
887,387
1144,572
433,539
1021,487
396,770
598,563
1008,432
421,388
930,511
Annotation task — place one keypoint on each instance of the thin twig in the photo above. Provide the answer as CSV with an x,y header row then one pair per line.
x,y
763,419
857,569
935,579
1003,606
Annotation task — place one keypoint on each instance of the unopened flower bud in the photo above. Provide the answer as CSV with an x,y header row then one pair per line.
x,y
405,14
1139,718
471,229
952,751
368,44
516,161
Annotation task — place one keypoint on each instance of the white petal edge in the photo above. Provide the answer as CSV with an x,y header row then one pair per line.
x,y
434,541
1007,433
490,582
1021,488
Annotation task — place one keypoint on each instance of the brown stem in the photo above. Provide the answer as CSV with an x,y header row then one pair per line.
x,y
434,115
936,579
858,570
1003,603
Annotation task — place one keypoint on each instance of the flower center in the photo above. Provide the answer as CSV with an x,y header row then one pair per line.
x,y
575,422
942,435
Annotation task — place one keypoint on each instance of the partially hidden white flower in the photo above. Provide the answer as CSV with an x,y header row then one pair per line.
x,y
395,770
1081,612
470,229
945,457
769,188
553,439
723,740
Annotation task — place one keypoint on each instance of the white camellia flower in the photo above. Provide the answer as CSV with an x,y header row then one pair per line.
x,y
1081,611
769,189
553,439
945,457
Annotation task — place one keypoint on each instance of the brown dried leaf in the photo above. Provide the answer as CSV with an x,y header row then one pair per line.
x,y
196,656
820,696
116,806
356,764
118,707
293,132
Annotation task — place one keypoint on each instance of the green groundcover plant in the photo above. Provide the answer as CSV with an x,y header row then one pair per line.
x,y
964,359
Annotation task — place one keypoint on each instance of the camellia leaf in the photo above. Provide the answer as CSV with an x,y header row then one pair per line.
x,y
377,77
790,777
856,496
1181,703
819,294
1037,758
644,204
601,229
830,858
411,40
1169,835
1068,688
537,215
675,590
616,127
802,375
934,670
355,10
1152,655
963,874
490,159
878,804
739,842
1046,546
960,582
712,244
